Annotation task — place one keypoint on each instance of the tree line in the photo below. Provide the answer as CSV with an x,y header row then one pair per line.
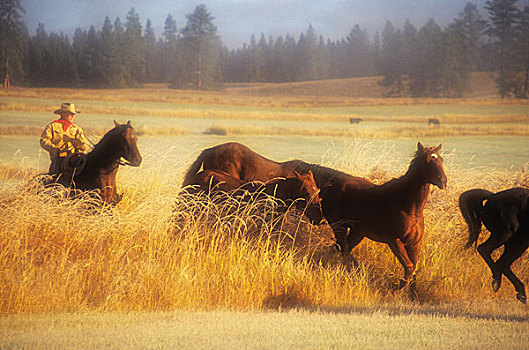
x,y
428,61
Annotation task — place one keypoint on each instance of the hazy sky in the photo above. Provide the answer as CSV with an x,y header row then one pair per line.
x,y
237,20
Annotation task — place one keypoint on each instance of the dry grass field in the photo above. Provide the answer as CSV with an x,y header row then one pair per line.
x,y
159,254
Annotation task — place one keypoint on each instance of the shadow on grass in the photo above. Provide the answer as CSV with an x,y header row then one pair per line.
x,y
512,311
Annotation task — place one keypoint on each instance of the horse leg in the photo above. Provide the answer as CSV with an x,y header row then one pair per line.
x,y
353,239
413,253
485,250
513,250
399,250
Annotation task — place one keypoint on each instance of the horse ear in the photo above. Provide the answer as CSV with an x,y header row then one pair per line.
x,y
420,147
438,148
128,123
116,123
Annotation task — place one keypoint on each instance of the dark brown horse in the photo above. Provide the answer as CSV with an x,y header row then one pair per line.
x,y
301,190
390,213
242,163
506,215
97,169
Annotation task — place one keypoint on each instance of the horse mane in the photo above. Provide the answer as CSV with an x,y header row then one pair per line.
x,y
108,136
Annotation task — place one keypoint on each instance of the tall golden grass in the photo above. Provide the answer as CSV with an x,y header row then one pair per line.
x,y
159,250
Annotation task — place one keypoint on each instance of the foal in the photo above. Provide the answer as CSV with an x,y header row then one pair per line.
x,y
300,189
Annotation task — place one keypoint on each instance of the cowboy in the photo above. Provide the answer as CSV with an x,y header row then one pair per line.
x,y
62,137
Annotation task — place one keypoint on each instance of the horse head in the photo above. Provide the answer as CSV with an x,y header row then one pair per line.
x,y
128,144
310,192
431,165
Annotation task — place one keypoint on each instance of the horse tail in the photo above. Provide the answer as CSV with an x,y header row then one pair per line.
x,y
471,204
193,169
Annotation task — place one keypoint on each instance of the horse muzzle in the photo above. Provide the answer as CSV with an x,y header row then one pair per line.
x,y
136,161
441,183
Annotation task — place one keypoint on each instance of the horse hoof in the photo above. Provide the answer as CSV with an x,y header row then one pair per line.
x,y
522,298
496,285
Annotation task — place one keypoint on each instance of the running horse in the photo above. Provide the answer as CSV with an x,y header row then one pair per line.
x,y
391,213
97,169
506,215
300,190
354,207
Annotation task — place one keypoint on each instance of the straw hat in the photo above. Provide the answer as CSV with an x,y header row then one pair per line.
x,y
68,108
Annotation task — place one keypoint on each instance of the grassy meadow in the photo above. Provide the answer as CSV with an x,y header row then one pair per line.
x,y
162,253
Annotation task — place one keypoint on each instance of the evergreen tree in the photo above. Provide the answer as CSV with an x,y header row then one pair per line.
x,y
171,61
307,56
201,47
61,68
13,39
410,59
504,15
256,60
152,54
462,51
322,59
358,53
38,53
392,60
427,81
93,60
523,46
112,71
133,49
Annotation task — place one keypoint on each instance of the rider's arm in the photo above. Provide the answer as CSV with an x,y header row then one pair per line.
x,y
80,142
46,141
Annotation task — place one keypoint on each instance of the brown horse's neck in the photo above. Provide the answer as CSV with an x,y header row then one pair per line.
x,y
414,189
105,155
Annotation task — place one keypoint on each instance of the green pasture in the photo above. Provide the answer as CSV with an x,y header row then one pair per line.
x,y
320,135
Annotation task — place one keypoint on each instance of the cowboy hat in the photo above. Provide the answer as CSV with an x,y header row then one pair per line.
x,y
66,108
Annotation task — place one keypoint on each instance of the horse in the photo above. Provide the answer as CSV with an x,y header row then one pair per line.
x,y
506,215
300,189
355,120
390,213
240,162
97,169
434,121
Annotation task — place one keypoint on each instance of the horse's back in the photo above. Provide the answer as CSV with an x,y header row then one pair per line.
x,y
240,162
511,204
517,194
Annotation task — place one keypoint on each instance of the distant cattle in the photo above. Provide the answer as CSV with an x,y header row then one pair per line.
x,y
355,120
434,121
